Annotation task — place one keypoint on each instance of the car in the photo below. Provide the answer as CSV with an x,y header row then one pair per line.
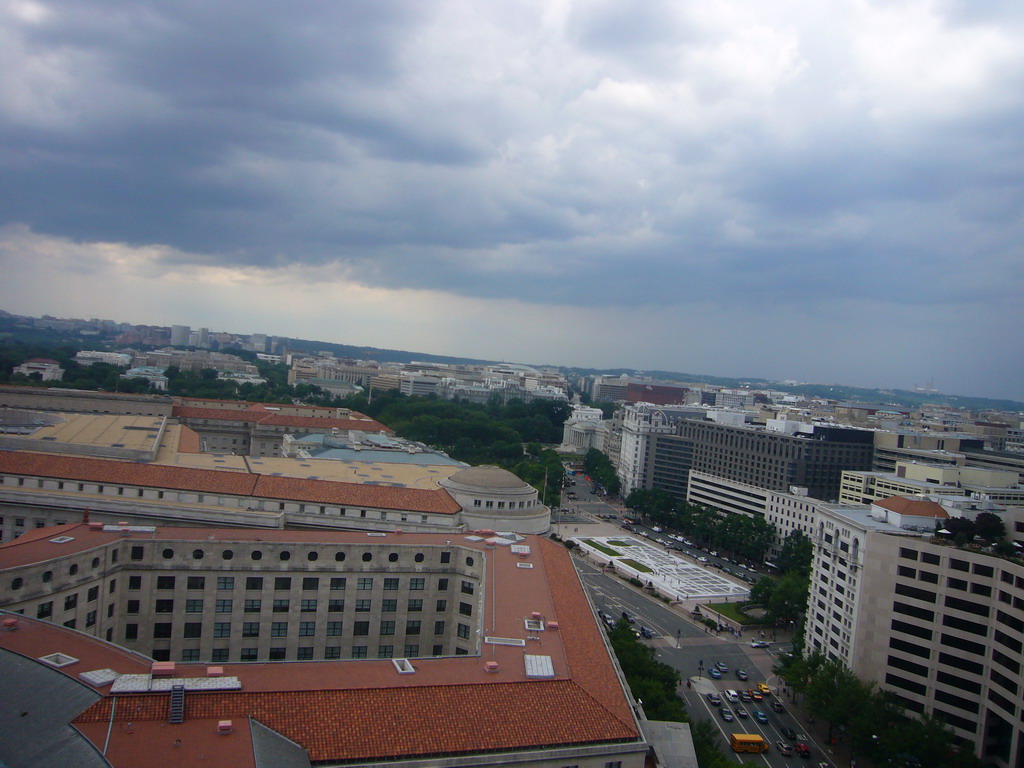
x,y
760,716
788,732
645,632
722,666
726,714
703,560
745,695
759,643
802,749
777,706
741,674
715,673
714,699
656,529
740,711
763,688
783,748
754,695
713,553
629,618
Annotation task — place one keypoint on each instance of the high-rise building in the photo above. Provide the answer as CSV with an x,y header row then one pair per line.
x,y
179,335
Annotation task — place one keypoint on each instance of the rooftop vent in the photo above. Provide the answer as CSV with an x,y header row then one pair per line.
x,y
491,666
404,666
62,539
524,565
58,659
9,624
225,727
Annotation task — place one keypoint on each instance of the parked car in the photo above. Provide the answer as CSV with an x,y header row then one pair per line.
x,y
784,748
763,688
788,732
759,643
645,632
715,673
802,749
722,666
726,714
741,674
760,716
741,712
745,695
703,560
776,706
714,699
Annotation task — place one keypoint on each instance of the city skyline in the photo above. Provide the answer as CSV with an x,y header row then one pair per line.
x,y
788,192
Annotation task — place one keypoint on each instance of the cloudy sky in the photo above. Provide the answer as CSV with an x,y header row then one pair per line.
x,y
829,192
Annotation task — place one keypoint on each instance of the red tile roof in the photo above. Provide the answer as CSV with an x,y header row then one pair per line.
x,y
272,418
228,482
364,710
914,507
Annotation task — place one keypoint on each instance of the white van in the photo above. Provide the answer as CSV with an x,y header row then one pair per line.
x,y
732,696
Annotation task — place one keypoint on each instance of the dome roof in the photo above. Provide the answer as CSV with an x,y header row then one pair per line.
x,y
487,476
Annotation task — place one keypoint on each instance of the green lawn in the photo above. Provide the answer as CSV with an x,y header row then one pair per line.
x,y
731,611
602,548
638,566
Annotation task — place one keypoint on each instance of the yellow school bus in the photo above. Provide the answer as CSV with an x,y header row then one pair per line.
x,y
747,742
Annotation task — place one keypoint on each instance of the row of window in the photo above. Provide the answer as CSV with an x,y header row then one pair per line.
x,y
138,552
283,605
331,652
192,630
307,583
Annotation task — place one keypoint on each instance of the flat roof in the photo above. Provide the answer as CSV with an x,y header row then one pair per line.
x,y
94,430
365,709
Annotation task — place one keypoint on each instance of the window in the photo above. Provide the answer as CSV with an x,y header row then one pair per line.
x,y
364,583
446,557
193,629
438,627
442,605
335,606
442,584
388,606
70,601
252,606
307,628
305,653
222,629
385,651
437,650
285,555
465,609
367,557
363,606
390,584
250,629
358,651
164,606
416,583
387,627
333,628
162,630
90,619
249,654
224,606
132,606
227,554
165,582
308,606
110,587
94,592
193,606
136,553
197,582
219,654
281,605
310,582
467,587
332,652
463,631
167,554
279,629
256,555
361,628
415,605
277,654
254,582
412,627
225,582
411,651
338,582
282,582
131,631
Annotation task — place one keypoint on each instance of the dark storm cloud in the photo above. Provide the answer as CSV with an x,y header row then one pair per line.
x,y
657,155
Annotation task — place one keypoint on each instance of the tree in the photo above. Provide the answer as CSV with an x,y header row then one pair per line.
x,y
989,526
788,600
797,553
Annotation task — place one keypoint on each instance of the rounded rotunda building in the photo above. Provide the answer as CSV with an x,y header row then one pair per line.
x,y
494,498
